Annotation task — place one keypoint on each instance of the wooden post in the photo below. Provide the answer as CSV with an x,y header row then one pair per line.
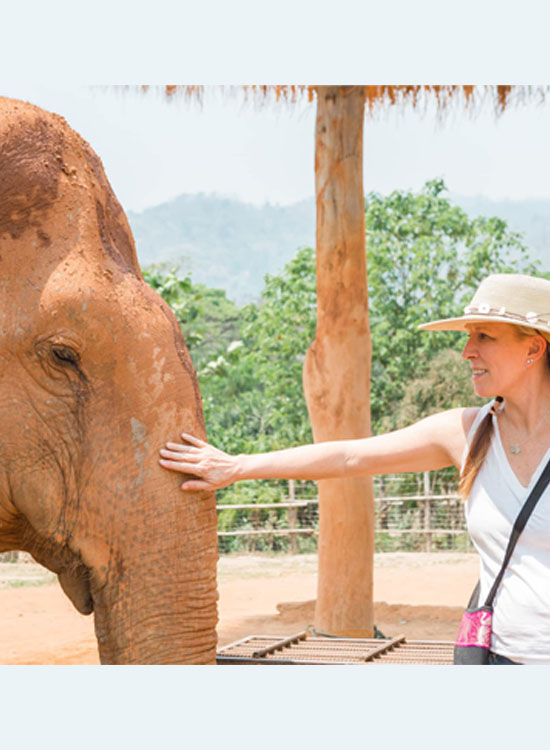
x,y
337,365
292,517
427,514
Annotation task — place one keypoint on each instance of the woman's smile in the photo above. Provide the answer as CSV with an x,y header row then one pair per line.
x,y
477,373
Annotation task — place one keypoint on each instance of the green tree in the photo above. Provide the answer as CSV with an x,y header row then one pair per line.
x,y
445,384
252,392
209,321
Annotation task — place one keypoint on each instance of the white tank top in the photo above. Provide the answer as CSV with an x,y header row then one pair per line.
x,y
521,620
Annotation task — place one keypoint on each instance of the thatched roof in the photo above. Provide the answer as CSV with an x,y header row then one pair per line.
x,y
379,97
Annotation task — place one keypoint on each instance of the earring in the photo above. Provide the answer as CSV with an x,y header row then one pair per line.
x,y
529,361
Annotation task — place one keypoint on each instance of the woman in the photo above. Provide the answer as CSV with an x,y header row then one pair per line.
x,y
500,450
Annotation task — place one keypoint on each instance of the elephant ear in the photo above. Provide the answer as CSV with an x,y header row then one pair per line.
x,y
75,583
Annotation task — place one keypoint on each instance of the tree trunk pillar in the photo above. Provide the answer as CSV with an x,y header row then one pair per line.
x,y
337,365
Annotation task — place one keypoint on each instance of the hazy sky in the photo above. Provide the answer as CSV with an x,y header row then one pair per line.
x,y
154,149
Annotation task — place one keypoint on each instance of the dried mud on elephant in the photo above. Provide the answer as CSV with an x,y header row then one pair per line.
x,y
95,377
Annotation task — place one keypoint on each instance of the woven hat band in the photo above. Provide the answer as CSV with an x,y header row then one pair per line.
x,y
530,319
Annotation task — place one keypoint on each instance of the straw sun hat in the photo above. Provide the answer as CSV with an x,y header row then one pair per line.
x,y
504,298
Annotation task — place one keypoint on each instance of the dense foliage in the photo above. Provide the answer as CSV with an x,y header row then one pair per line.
x,y
209,320
252,392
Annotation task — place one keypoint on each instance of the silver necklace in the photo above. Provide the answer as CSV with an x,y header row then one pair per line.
x,y
515,448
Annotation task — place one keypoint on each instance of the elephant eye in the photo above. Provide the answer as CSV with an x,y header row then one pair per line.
x,y
65,355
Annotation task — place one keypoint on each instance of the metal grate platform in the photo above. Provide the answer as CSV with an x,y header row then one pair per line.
x,y
303,648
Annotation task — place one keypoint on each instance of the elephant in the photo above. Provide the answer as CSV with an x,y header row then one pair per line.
x,y
95,376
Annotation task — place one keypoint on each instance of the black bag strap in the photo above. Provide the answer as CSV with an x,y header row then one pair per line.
x,y
519,525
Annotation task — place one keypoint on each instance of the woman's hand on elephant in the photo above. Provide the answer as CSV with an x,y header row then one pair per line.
x,y
214,468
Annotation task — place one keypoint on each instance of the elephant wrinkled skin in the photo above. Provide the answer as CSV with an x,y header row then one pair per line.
x,y
94,378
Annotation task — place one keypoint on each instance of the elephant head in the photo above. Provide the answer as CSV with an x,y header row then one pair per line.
x,y
94,378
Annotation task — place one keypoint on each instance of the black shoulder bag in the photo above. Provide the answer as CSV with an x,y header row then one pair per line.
x,y
473,642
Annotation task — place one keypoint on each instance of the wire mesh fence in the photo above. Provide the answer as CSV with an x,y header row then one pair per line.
x,y
413,512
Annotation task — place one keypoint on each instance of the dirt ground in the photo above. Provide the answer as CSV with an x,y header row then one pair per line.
x,y
417,594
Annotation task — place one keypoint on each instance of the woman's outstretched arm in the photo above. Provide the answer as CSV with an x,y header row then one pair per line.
x,y
432,443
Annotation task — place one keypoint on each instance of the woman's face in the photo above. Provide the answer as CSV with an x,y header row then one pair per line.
x,y
498,357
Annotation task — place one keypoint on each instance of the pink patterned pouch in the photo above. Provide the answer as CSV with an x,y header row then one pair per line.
x,y
473,641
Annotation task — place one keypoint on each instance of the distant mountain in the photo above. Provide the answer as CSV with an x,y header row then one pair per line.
x,y
530,217
231,245
224,243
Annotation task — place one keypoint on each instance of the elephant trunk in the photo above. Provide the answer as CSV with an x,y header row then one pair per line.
x,y
157,604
